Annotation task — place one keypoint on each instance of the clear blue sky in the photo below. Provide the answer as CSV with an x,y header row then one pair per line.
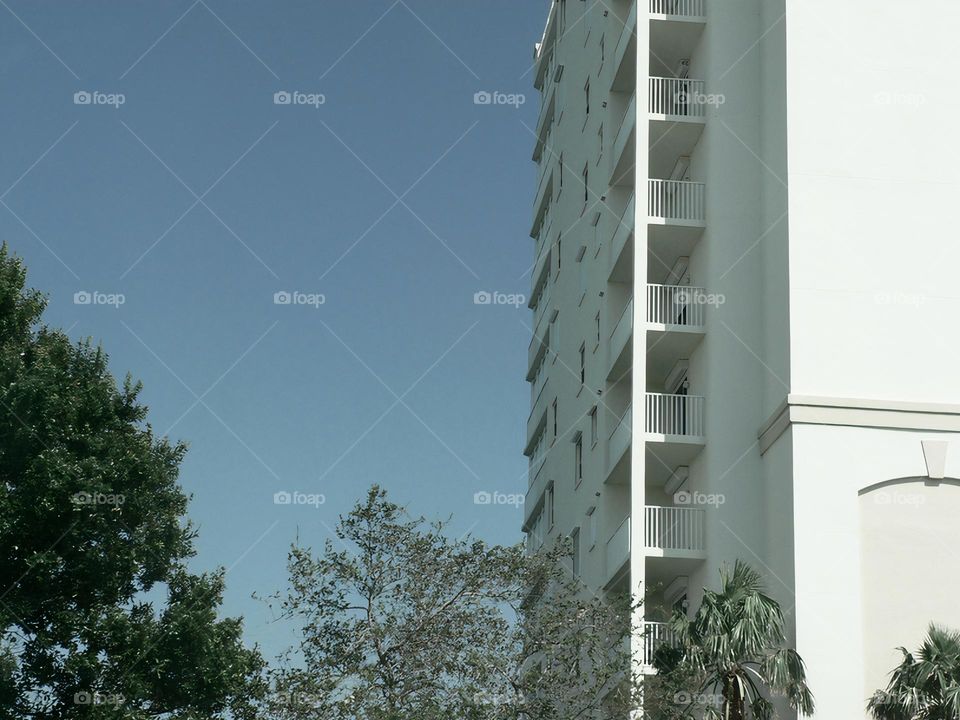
x,y
98,198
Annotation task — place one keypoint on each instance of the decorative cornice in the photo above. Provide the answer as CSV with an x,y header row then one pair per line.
x,y
855,412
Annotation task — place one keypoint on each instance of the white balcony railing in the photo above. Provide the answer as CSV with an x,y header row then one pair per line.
x,y
673,528
618,549
677,98
622,330
677,201
677,415
621,437
655,636
677,305
679,8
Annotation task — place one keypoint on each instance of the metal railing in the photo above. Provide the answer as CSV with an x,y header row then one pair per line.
x,y
673,528
618,548
678,305
674,415
655,636
680,8
677,200
677,98
624,327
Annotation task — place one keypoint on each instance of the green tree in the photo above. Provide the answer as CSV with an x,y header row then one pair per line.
x,y
925,686
401,622
733,649
91,519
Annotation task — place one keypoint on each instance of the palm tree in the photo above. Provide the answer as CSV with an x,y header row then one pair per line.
x,y
735,646
925,687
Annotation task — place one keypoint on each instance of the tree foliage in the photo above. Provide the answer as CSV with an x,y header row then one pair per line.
x,y
732,655
401,622
91,519
926,685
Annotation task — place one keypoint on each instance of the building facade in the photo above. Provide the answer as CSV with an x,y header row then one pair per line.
x,y
744,277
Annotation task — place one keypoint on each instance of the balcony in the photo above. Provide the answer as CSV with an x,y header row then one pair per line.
x,y
676,217
674,532
537,420
675,30
675,324
655,636
677,111
539,345
674,433
618,554
623,158
677,202
625,55
542,204
620,346
619,449
674,418
621,245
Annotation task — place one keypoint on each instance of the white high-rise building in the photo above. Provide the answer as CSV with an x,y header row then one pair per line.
x,y
746,313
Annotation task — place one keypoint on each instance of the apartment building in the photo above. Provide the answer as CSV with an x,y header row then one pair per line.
x,y
743,297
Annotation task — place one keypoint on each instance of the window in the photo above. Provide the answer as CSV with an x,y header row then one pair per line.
x,y
586,97
600,142
575,542
560,173
603,49
583,364
561,15
549,505
597,321
593,427
559,247
578,461
586,181
555,424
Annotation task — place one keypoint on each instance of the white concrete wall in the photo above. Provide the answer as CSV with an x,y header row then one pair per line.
x,y
869,576
872,101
